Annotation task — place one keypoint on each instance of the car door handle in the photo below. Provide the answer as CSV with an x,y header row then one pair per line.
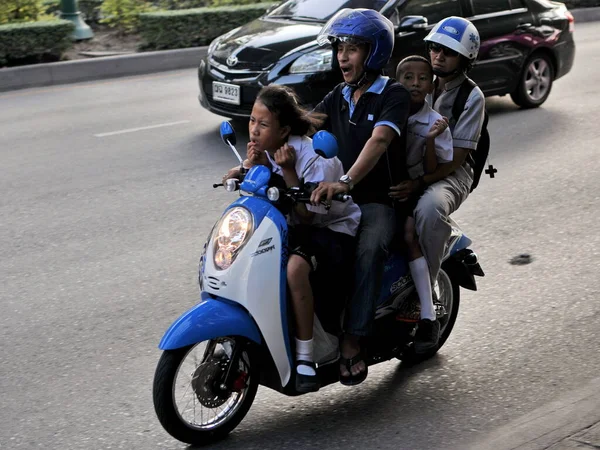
x,y
524,26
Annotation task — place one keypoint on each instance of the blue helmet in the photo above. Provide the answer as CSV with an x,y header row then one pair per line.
x,y
362,25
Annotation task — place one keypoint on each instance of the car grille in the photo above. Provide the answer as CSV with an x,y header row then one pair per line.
x,y
247,82
243,65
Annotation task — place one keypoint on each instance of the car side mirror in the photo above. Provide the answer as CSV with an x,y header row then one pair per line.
x,y
408,23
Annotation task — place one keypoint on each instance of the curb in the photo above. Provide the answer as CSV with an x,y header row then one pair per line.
x,y
50,74
99,68
576,413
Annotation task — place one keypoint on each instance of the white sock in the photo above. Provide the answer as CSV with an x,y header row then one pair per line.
x,y
420,274
304,352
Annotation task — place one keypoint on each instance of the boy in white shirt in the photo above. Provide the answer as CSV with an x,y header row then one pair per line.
x,y
428,143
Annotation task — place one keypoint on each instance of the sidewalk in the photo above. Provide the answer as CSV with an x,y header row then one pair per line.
x,y
49,74
569,423
142,63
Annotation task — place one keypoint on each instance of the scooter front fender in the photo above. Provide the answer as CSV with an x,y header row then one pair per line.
x,y
212,318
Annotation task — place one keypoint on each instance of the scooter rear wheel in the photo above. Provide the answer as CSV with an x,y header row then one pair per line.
x,y
448,297
190,399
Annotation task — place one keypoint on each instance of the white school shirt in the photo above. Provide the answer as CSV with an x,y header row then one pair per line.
x,y
419,125
342,217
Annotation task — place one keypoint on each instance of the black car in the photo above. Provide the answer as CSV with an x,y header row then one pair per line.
x,y
525,46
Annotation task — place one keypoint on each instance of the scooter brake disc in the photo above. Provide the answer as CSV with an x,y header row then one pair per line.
x,y
206,382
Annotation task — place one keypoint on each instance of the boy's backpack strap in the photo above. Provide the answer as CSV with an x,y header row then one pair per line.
x,y
476,159
460,101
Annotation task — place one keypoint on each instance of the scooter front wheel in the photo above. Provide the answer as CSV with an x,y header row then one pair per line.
x,y
202,392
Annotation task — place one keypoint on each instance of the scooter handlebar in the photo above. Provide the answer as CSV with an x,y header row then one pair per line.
x,y
341,197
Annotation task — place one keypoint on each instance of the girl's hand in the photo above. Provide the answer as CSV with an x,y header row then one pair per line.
x,y
285,157
232,173
438,128
256,156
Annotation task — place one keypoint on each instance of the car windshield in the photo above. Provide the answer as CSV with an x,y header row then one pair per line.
x,y
320,10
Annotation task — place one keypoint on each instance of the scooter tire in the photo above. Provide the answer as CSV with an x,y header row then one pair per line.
x,y
411,357
164,405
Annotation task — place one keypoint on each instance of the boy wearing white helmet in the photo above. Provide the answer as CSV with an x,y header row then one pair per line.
x,y
453,45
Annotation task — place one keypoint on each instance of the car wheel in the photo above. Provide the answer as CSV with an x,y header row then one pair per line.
x,y
535,83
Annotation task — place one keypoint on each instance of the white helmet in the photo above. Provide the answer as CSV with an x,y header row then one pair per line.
x,y
458,34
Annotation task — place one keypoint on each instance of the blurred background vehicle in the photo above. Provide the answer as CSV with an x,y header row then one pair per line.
x,y
526,45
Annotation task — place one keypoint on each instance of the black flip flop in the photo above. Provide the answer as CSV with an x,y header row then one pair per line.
x,y
353,380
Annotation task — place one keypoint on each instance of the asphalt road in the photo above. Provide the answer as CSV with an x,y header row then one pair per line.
x,y
103,215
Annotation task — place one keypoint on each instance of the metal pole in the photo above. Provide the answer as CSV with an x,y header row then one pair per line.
x,y
69,11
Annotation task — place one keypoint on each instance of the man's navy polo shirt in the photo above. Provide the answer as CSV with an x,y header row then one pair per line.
x,y
386,103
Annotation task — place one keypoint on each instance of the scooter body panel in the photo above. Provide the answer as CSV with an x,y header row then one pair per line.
x,y
257,279
209,319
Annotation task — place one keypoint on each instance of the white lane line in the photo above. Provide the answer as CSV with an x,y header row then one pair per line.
x,y
133,130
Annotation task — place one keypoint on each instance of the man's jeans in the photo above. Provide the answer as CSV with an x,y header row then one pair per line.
x,y
373,241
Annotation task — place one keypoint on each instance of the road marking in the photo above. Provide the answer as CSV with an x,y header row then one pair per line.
x,y
133,130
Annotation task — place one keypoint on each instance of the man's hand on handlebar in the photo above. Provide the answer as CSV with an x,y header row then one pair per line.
x,y
327,190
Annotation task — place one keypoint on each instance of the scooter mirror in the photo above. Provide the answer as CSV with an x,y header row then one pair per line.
x,y
325,144
227,133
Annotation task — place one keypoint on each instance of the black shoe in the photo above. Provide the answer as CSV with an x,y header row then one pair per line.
x,y
307,383
428,336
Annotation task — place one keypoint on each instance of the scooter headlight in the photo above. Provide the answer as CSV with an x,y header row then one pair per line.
x,y
232,233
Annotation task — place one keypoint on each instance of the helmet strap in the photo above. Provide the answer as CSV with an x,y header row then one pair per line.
x,y
444,74
368,76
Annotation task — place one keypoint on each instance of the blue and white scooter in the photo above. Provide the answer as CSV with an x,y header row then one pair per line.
x,y
240,334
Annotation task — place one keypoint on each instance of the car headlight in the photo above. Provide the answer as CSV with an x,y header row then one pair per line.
x,y
315,61
231,234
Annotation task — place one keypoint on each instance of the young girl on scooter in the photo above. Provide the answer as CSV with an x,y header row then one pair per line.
x,y
429,142
321,239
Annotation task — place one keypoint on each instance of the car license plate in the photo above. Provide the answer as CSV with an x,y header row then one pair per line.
x,y
226,93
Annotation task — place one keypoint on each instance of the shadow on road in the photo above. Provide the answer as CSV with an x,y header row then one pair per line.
x,y
332,419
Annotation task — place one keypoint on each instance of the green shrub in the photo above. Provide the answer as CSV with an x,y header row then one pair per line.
x,y
189,4
232,2
194,27
180,4
91,10
124,14
51,7
12,11
35,41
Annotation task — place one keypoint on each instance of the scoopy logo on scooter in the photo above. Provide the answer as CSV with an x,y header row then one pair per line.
x,y
263,250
